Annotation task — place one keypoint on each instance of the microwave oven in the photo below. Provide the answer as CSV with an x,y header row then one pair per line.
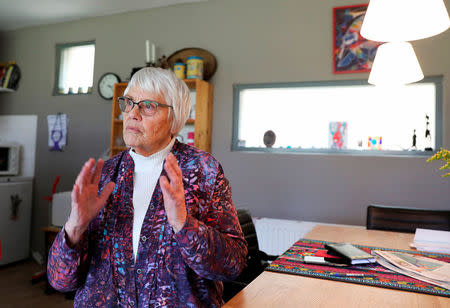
x,y
9,159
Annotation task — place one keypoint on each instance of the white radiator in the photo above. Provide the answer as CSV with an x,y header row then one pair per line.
x,y
275,236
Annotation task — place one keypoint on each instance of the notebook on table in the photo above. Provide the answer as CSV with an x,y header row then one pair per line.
x,y
350,254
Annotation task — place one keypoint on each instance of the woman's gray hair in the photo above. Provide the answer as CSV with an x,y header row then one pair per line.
x,y
165,83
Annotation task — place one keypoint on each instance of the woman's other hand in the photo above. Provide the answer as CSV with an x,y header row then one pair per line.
x,y
173,193
86,203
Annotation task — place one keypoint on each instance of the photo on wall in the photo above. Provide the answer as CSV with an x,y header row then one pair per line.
x,y
351,52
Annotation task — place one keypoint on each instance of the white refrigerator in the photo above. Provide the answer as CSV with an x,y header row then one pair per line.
x,y
15,218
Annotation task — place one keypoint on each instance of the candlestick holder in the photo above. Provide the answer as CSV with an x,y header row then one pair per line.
x,y
161,63
134,70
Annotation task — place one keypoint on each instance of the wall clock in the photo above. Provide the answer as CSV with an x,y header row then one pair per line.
x,y
106,85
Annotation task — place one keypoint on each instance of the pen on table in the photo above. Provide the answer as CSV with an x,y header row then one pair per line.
x,y
354,275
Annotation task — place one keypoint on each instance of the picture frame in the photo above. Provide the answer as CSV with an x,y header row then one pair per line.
x,y
351,52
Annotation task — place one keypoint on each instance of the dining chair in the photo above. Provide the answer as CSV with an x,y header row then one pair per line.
x,y
403,219
257,260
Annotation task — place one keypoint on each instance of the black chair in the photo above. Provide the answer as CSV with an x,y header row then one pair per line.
x,y
257,260
401,219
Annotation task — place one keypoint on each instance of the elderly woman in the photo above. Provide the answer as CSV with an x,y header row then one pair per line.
x,y
154,226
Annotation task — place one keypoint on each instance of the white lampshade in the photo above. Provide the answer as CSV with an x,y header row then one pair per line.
x,y
404,20
395,64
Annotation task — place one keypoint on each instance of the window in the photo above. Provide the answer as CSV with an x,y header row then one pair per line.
x,y
74,68
348,117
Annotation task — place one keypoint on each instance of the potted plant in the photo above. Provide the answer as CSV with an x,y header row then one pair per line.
x,y
443,155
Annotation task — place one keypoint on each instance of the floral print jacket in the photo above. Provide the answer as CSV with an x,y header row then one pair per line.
x,y
181,269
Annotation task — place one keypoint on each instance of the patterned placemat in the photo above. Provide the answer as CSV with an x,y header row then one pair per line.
x,y
291,262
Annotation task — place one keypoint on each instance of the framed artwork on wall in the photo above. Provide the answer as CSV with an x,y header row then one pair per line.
x,y
351,52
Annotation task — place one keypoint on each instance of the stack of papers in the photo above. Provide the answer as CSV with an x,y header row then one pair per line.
x,y
431,241
418,267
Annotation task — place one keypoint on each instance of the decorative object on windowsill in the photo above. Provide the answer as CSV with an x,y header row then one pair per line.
x,y
241,143
397,22
337,137
269,138
351,52
414,141
443,155
360,143
428,146
106,85
209,60
375,143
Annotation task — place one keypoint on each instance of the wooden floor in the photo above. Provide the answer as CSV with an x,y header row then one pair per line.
x,y
17,291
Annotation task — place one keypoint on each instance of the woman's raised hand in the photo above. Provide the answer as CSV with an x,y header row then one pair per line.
x,y
86,202
173,193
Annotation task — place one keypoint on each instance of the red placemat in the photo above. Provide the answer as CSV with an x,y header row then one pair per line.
x,y
291,262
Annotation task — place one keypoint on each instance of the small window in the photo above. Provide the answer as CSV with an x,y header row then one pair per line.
x,y
74,68
345,117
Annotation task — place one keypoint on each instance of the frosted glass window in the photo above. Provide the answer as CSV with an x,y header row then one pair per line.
x,y
306,116
75,71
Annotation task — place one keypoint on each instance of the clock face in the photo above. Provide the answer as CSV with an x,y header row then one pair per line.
x,y
106,85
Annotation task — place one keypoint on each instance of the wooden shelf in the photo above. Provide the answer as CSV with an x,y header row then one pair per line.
x,y
202,122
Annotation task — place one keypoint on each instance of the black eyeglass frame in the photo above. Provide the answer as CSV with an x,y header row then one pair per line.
x,y
142,101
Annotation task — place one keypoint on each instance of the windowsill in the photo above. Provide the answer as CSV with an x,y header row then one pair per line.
x,y
69,94
369,153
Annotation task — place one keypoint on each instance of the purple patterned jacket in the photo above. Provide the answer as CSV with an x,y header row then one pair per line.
x,y
171,270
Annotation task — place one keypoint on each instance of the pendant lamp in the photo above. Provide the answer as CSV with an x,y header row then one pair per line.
x,y
404,20
395,64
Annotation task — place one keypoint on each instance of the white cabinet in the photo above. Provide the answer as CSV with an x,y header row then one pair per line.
x,y
15,220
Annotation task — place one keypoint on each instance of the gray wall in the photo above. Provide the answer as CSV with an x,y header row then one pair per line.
x,y
254,41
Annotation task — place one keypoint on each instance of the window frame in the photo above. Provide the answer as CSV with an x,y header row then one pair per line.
x,y
59,47
237,88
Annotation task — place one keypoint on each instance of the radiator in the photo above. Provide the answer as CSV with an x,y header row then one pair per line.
x,y
275,236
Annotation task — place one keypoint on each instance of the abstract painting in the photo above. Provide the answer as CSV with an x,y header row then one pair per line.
x,y
351,52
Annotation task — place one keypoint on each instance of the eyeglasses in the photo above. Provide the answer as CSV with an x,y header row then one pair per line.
x,y
146,107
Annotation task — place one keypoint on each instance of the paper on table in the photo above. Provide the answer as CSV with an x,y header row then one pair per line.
x,y
432,240
417,266
392,267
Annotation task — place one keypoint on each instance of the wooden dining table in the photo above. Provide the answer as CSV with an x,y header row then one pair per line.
x,y
271,289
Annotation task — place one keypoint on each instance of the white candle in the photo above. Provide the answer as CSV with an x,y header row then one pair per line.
x,y
153,53
147,51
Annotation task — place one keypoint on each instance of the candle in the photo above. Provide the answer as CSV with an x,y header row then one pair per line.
x,y
153,53
147,51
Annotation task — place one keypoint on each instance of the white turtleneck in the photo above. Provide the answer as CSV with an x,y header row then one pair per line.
x,y
147,171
